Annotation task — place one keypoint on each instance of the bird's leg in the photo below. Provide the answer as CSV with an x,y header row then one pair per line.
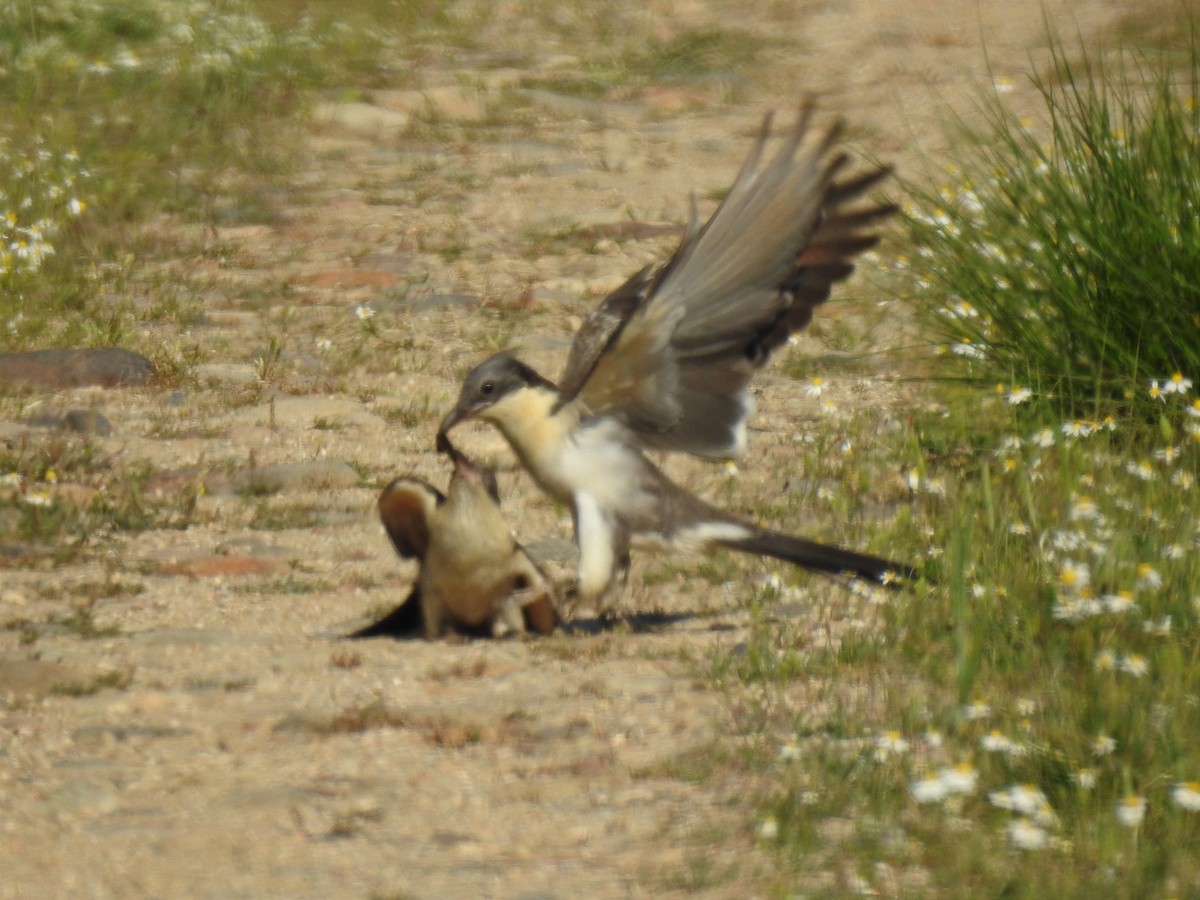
x,y
603,541
529,606
609,601
596,535
510,612
433,611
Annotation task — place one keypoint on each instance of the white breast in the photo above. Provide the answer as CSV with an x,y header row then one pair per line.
x,y
599,460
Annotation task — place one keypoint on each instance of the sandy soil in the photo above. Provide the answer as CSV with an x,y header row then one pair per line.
x,y
223,742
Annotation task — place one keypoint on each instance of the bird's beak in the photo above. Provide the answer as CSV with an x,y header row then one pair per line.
x,y
453,417
443,445
462,463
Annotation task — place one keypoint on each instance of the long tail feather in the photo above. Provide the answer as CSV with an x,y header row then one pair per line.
x,y
823,558
404,621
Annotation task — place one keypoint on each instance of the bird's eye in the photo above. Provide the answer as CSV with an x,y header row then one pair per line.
x,y
486,388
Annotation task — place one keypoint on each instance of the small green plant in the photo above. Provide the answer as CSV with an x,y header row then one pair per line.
x,y
619,59
283,516
65,494
267,364
367,717
289,585
413,414
83,623
695,52
1067,263
114,681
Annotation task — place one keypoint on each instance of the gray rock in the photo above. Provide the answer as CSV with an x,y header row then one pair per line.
x,y
85,796
553,548
253,546
15,550
88,733
86,421
59,369
321,473
34,677
364,118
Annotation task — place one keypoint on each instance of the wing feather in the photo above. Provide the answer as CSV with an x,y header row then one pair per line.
x,y
601,328
672,351
405,508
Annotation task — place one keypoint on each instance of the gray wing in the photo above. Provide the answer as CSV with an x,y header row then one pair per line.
x,y
673,349
610,372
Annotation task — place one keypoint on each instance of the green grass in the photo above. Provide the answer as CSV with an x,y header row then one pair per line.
x,y
1064,615
116,112
116,681
66,494
689,56
113,111
1025,725
1067,261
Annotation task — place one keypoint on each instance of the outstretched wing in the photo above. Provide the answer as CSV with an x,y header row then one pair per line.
x,y
405,507
672,350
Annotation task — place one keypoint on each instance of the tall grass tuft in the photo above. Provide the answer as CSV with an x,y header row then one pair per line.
x,y
1024,727
1068,259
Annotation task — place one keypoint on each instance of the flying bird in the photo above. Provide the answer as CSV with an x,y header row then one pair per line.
x,y
474,578
664,362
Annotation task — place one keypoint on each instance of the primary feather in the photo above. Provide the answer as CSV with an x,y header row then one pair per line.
x,y
671,351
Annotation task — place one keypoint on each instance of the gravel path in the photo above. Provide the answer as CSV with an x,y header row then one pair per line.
x,y
177,715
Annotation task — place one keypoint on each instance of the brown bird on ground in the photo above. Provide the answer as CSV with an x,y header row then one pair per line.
x,y
474,578
664,362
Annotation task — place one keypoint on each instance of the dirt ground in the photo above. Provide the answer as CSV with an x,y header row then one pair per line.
x,y
213,737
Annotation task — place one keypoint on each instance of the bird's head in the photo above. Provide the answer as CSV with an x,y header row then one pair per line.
x,y
484,391
466,470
